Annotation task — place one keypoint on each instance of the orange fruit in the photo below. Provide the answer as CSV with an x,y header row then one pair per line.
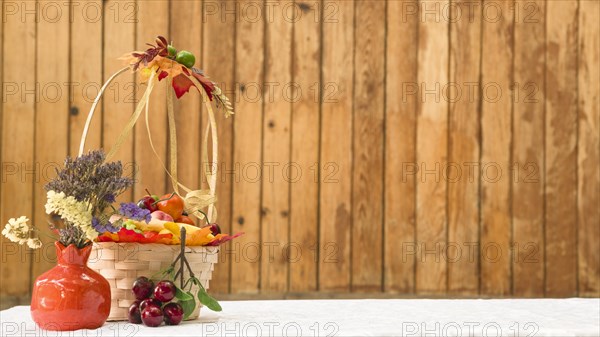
x,y
186,219
172,205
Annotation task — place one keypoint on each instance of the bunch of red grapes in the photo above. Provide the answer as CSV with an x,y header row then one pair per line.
x,y
152,305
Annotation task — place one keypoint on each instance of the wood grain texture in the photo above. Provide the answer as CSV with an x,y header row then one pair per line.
x,y
400,115
377,103
276,150
495,167
561,149
432,149
86,74
3,241
150,174
219,40
18,147
463,183
2,88
245,272
367,178
588,155
186,33
335,198
52,107
528,153
119,99
305,126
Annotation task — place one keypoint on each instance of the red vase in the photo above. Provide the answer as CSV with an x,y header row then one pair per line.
x,y
70,296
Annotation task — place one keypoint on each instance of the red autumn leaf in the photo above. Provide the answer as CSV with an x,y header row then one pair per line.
x,y
154,237
206,83
128,235
181,84
222,238
162,75
161,41
108,237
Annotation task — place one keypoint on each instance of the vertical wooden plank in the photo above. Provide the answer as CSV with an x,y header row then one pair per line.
x,y
118,102
304,201
219,40
18,117
588,156
186,34
335,198
86,73
1,113
528,152
432,143
276,149
400,136
496,72
149,172
367,179
245,271
463,183
561,149
52,116
1,105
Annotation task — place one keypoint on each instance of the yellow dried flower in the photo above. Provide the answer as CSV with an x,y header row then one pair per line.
x,y
72,211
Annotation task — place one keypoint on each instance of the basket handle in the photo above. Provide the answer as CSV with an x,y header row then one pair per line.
x,y
194,198
93,108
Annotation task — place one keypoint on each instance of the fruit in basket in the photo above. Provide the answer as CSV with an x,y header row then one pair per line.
x,y
185,219
142,288
173,313
152,315
164,291
148,302
135,315
214,229
160,215
148,202
171,204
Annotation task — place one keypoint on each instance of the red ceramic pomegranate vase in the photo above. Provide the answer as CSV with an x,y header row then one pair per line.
x,y
70,296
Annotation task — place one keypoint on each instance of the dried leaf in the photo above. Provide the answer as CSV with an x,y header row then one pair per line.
x,y
181,85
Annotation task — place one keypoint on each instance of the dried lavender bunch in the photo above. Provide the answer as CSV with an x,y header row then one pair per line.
x,y
87,178
69,234
82,193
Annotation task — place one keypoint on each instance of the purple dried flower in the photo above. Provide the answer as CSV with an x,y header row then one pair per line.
x,y
107,227
89,178
132,211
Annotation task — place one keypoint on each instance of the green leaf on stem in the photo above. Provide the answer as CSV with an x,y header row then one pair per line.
x,y
207,300
183,296
187,302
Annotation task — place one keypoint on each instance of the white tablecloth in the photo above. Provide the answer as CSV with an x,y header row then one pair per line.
x,y
532,317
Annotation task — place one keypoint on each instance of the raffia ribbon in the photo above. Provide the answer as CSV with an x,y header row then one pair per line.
x,y
195,200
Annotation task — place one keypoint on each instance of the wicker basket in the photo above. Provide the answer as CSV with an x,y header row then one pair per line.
x,y
122,263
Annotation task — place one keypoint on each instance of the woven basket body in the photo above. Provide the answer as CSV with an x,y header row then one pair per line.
x,y
122,263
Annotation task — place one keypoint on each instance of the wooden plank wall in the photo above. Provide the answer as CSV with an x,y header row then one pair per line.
x,y
412,148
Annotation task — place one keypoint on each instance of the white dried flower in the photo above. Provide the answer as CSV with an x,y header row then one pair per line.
x,y
34,243
17,230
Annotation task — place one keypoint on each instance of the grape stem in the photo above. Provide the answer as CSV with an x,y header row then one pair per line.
x,y
184,262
